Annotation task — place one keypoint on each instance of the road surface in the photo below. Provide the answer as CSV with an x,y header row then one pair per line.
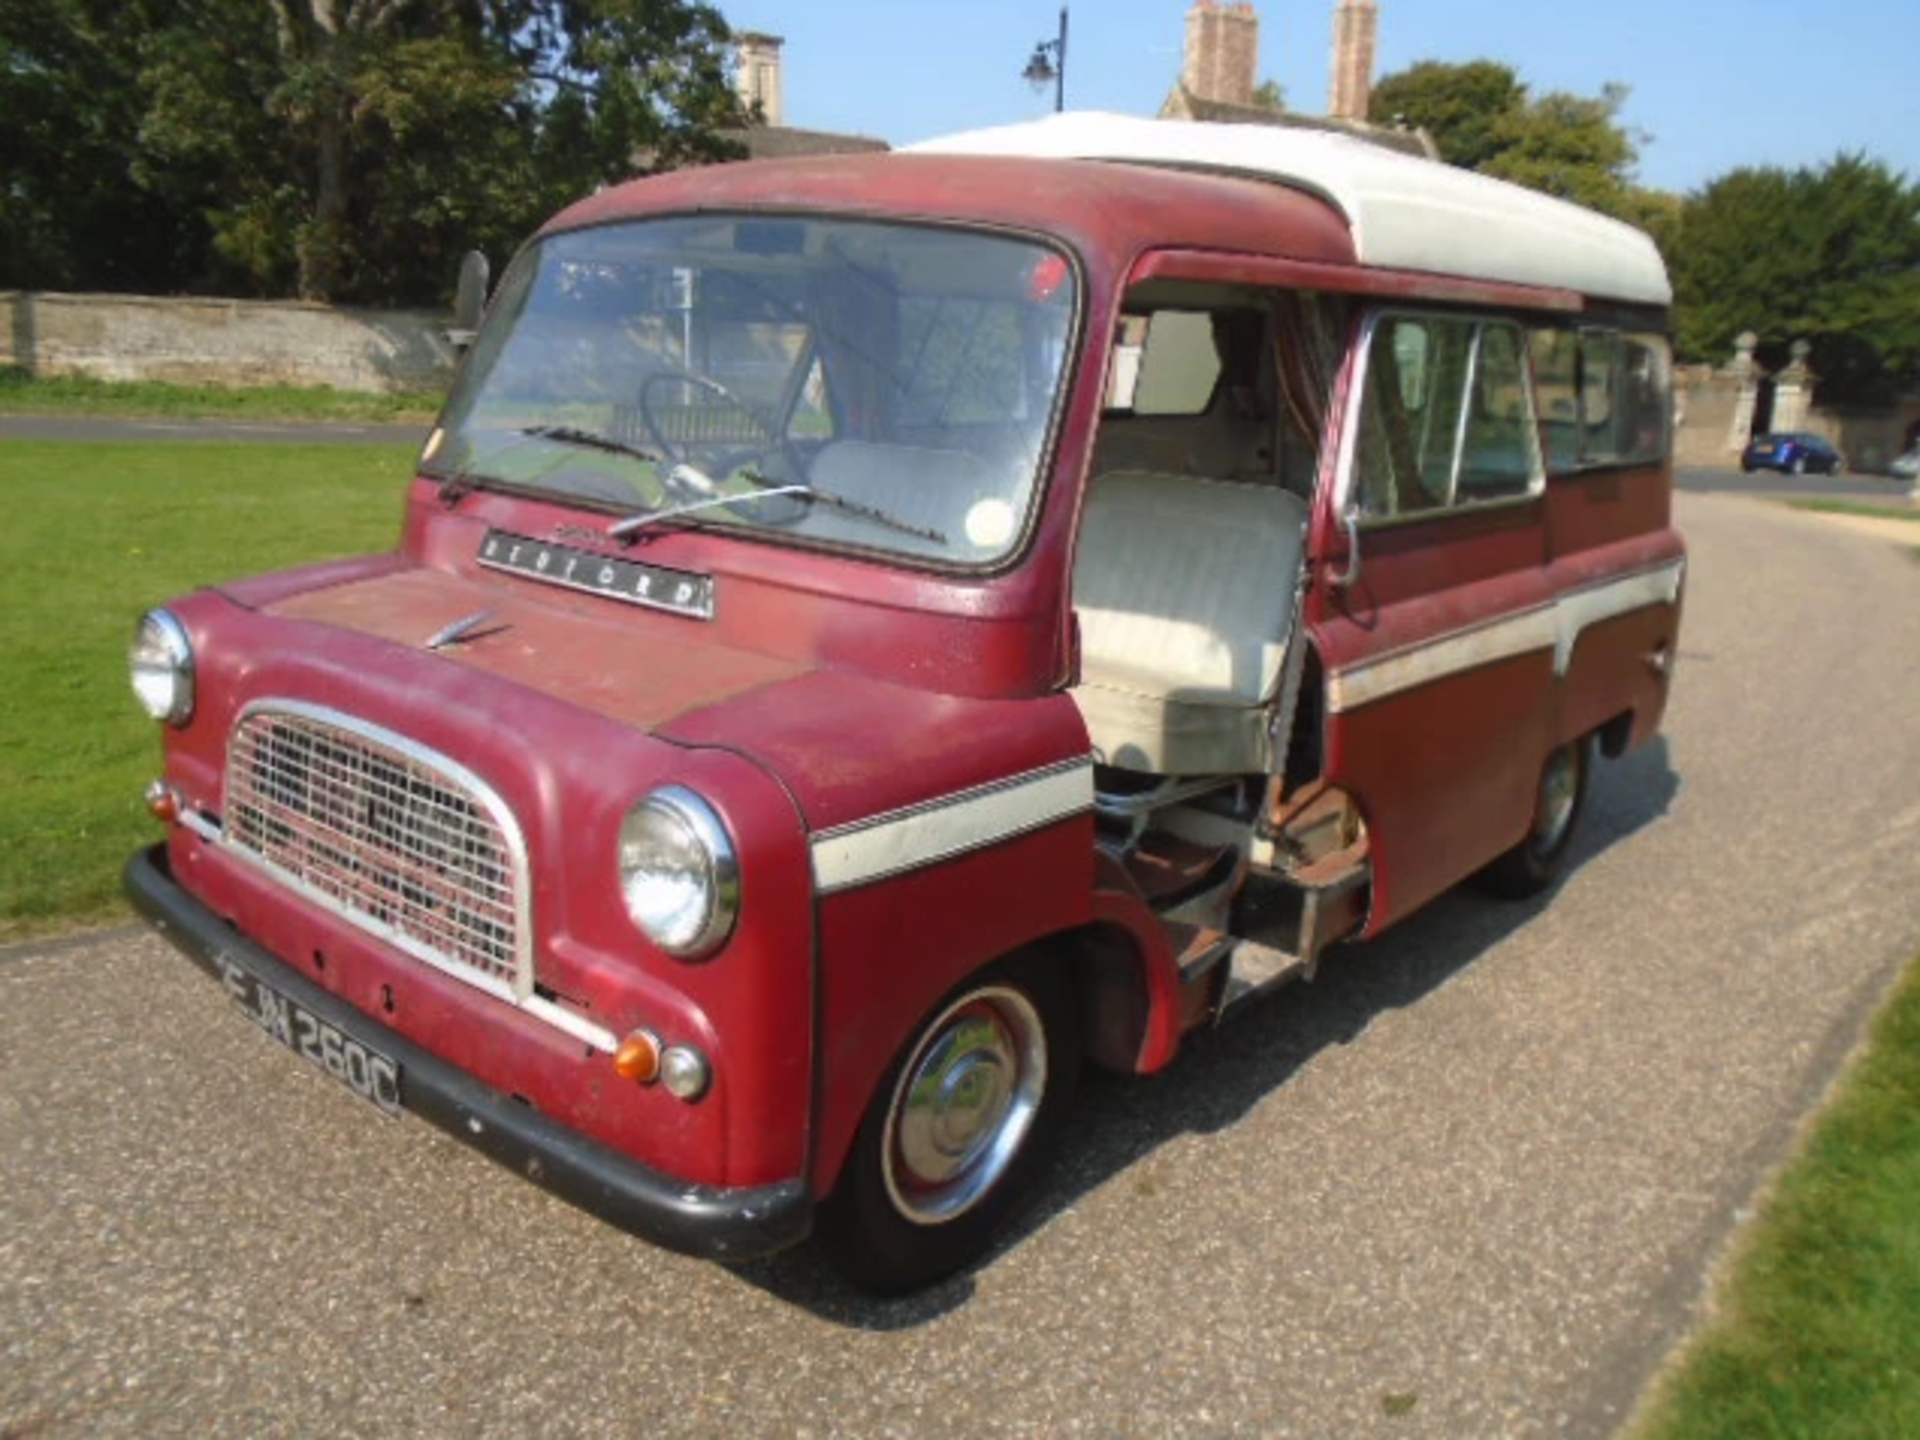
x,y
1471,1182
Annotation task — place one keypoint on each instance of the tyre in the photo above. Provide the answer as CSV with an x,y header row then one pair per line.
x,y
1799,464
1536,862
969,1116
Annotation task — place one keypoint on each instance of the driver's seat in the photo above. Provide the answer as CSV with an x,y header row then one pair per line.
x,y
1185,590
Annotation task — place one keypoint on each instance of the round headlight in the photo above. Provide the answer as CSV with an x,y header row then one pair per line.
x,y
162,664
678,872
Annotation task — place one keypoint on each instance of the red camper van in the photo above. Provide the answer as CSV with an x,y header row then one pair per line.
x,y
871,635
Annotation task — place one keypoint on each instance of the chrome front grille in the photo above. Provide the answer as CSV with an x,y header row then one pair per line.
x,y
399,840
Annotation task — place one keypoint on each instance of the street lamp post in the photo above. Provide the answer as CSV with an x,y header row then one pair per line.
x,y
1049,62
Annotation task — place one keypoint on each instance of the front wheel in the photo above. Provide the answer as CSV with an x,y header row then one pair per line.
x,y
1536,862
968,1118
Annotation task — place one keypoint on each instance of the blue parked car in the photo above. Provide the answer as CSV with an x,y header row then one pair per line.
x,y
1792,452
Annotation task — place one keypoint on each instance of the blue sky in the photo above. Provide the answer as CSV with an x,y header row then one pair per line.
x,y
1716,84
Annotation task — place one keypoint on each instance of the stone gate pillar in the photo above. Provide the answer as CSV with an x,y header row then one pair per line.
x,y
1793,391
1741,369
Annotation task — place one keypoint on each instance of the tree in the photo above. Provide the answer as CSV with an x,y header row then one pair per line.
x,y
1831,256
1481,117
1461,106
1567,145
338,149
70,89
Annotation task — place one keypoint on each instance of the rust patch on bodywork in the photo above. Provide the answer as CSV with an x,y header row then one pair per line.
x,y
638,670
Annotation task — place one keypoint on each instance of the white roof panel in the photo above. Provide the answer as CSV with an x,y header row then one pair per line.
x,y
1405,213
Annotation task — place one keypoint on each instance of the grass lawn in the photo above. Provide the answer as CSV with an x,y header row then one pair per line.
x,y
24,394
1818,1332
96,534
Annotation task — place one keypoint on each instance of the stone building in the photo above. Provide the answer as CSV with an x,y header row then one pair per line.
x,y
757,81
1221,61
1356,36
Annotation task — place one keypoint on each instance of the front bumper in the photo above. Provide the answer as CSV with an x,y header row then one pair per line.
x,y
713,1223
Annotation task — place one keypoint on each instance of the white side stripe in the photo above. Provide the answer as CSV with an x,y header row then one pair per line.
x,y
1581,608
872,849
1556,626
1502,639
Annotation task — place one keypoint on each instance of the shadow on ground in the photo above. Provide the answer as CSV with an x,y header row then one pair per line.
x,y
1220,1076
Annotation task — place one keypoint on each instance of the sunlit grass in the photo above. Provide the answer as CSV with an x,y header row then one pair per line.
x,y
96,534
1819,1332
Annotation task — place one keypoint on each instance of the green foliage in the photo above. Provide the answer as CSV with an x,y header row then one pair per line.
x,y
1482,118
1831,256
348,150
69,91
99,534
1461,106
1567,145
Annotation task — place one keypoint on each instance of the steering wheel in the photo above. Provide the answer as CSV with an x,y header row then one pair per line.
x,y
689,481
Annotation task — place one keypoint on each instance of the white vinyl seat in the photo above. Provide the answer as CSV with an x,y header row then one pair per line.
x,y
1185,592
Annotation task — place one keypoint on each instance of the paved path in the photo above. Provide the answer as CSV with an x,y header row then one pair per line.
x,y
263,432
1468,1184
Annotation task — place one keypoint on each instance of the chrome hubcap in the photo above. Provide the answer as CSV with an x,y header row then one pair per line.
x,y
965,1101
1559,787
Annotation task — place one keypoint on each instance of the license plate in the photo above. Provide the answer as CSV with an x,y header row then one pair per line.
x,y
365,1071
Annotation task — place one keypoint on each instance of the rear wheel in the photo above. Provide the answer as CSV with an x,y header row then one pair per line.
x,y
1536,862
1799,464
968,1118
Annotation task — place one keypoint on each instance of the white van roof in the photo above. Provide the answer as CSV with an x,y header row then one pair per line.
x,y
1405,213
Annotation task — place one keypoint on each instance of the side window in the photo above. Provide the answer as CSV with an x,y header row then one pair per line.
x,y
1556,378
1607,397
1501,456
1179,367
1599,399
1446,419
1645,398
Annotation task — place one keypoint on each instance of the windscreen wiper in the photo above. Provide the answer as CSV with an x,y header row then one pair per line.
x,y
624,529
591,440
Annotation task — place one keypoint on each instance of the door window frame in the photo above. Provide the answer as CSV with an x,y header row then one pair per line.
x,y
1346,496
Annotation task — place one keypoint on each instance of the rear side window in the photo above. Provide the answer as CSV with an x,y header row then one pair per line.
x,y
1447,417
1606,397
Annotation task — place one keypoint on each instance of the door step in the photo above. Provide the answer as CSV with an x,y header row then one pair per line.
x,y
1280,928
1254,969
1219,971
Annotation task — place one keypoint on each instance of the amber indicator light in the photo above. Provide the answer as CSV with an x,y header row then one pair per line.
x,y
638,1058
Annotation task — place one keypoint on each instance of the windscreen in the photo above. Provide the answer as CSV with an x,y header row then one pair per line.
x,y
835,382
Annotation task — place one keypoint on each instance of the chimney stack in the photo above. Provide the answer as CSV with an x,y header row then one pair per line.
x,y
1356,34
757,77
1223,51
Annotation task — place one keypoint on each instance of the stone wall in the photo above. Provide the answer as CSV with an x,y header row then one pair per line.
x,y
1707,402
224,342
1703,420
